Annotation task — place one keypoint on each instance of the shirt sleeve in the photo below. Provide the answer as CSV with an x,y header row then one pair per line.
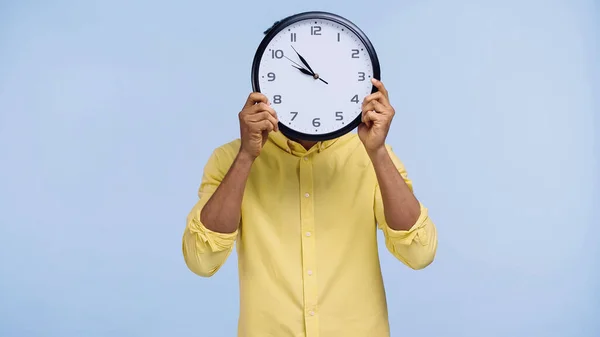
x,y
417,246
204,250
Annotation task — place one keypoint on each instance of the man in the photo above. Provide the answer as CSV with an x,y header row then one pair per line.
x,y
305,218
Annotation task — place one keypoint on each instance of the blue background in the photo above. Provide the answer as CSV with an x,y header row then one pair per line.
x,y
109,110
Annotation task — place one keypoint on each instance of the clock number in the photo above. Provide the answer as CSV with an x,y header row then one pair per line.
x,y
271,77
316,122
354,99
361,76
339,116
277,54
277,99
293,37
315,30
295,113
338,37
355,53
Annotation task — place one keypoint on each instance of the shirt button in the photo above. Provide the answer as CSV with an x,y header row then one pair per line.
x,y
312,313
307,233
309,272
306,195
305,158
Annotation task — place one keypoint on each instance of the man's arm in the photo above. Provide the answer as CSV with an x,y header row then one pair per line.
x,y
402,209
222,211
213,223
410,235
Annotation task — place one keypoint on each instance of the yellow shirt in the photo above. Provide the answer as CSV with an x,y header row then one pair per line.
x,y
307,241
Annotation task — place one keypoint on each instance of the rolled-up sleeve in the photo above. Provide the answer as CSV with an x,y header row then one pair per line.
x,y
415,247
205,251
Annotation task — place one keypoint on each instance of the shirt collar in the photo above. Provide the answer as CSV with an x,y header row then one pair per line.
x,y
295,148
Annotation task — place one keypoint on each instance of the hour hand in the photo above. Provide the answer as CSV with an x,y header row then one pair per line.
x,y
303,60
302,70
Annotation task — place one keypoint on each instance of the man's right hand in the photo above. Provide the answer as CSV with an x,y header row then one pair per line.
x,y
257,119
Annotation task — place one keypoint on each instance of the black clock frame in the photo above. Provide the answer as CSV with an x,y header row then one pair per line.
x,y
314,15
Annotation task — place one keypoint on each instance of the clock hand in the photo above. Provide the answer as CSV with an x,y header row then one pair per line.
x,y
304,71
302,59
299,66
315,75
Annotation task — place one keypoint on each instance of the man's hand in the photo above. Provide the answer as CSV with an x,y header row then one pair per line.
x,y
257,119
377,115
401,207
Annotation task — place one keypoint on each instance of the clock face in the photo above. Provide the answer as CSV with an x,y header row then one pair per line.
x,y
321,97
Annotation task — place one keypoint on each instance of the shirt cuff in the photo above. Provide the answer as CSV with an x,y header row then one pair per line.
x,y
217,241
418,232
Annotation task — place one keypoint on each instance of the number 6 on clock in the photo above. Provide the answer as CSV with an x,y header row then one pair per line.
x,y
324,65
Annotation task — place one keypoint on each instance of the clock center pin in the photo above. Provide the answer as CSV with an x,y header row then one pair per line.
x,y
284,61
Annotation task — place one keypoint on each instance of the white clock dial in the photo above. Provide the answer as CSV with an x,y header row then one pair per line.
x,y
309,105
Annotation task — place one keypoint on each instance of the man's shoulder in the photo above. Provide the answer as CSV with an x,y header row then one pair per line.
x,y
230,148
223,155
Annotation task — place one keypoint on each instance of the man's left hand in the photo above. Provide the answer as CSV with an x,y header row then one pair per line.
x,y
377,115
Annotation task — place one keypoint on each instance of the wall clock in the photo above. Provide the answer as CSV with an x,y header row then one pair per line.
x,y
315,68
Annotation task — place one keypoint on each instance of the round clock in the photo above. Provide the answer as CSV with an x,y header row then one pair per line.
x,y
315,68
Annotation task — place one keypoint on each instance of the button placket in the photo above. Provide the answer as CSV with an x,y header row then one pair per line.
x,y
308,247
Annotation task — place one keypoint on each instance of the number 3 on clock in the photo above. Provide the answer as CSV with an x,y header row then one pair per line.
x,y
322,64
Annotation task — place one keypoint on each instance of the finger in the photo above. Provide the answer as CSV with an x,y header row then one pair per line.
x,y
259,111
263,125
264,107
254,98
377,106
272,115
379,85
376,96
259,116
264,115
275,122
369,117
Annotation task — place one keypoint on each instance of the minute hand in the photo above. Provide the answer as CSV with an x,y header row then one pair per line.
x,y
309,71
